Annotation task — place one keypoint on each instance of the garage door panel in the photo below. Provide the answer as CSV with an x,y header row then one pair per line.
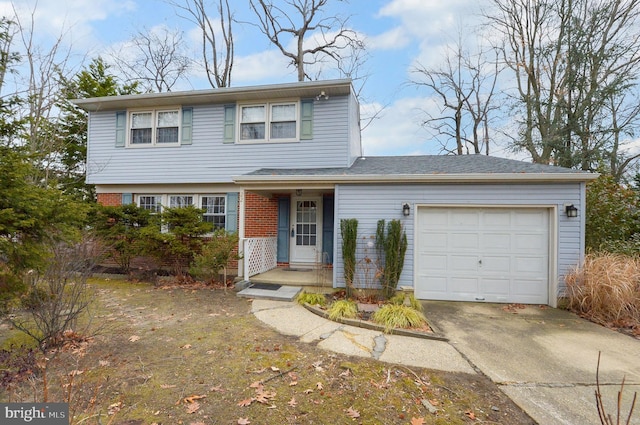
x,y
435,263
496,241
463,241
531,265
463,263
496,264
490,254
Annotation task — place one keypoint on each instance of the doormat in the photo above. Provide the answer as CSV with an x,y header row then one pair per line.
x,y
292,269
267,286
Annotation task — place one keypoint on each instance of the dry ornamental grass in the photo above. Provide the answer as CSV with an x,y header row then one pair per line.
x,y
606,290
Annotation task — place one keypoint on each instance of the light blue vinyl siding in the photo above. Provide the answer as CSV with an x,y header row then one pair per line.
x,y
369,203
208,159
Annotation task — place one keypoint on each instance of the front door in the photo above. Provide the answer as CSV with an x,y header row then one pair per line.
x,y
306,230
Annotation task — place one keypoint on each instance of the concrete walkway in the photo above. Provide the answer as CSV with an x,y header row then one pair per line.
x,y
290,318
544,359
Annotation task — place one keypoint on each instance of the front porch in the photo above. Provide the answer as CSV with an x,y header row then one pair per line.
x,y
312,280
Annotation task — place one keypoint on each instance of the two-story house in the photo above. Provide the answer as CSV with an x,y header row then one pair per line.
x,y
282,165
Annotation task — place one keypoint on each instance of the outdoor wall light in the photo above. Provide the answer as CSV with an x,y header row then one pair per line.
x,y
298,192
571,210
406,209
322,95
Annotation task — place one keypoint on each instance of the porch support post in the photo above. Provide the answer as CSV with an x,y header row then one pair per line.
x,y
241,210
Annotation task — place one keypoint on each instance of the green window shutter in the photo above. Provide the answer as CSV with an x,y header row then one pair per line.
x,y
127,198
121,128
231,220
306,119
284,204
229,124
187,126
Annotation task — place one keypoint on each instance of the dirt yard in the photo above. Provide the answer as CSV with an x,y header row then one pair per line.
x,y
194,356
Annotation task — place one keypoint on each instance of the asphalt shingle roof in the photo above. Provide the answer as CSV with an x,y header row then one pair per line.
x,y
423,165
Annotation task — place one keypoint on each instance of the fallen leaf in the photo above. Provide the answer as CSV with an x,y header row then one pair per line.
x,y
308,391
216,389
293,402
319,385
211,352
186,346
103,363
256,384
165,386
197,423
193,407
275,369
193,398
243,421
134,338
353,413
246,402
293,383
417,421
470,415
76,372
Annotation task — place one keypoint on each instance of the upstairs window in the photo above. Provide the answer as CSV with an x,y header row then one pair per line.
x,y
269,122
154,128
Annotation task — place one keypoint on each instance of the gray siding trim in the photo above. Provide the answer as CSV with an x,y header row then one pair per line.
x,y
208,159
369,203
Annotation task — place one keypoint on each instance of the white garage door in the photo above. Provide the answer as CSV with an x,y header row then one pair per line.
x,y
483,254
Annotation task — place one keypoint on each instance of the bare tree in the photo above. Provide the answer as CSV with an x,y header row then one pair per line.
x,y
316,38
465,87
158,61
217,39
40,92
570,59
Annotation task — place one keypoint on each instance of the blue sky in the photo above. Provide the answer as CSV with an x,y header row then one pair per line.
x,y
398,34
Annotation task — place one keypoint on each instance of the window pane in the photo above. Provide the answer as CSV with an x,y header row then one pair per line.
x,y
151,203
167,135
283,112
252,132
253,114
180,201
283,130
141,120
140,136
168,119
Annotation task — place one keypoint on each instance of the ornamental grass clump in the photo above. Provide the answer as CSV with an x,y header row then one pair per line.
x,y
343,309
312,299
399,316
398,299
606,289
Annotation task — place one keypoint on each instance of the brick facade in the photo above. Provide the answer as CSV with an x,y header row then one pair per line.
x,y
261,216
110,199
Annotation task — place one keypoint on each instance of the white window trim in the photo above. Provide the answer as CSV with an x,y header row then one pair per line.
x,y
267,130
216,195
159,197
154,125
194,199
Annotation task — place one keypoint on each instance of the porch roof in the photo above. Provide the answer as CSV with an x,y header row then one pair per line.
x,y
419,169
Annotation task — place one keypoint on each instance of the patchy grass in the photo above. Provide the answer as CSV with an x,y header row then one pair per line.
x,y
196,355
606,290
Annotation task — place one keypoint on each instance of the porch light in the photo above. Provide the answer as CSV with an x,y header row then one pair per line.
x,y
406,209
298,192
571,210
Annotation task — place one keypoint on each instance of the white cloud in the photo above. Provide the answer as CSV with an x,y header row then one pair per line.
x,y
260,66
397,131
396,38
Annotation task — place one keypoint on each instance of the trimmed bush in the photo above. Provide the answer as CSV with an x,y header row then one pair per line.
x,y
398,299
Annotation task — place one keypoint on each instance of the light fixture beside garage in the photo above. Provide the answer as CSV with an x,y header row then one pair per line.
x,y
571,210
406,209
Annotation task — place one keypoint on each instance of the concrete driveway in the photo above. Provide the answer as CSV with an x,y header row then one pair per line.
x,y
544,359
